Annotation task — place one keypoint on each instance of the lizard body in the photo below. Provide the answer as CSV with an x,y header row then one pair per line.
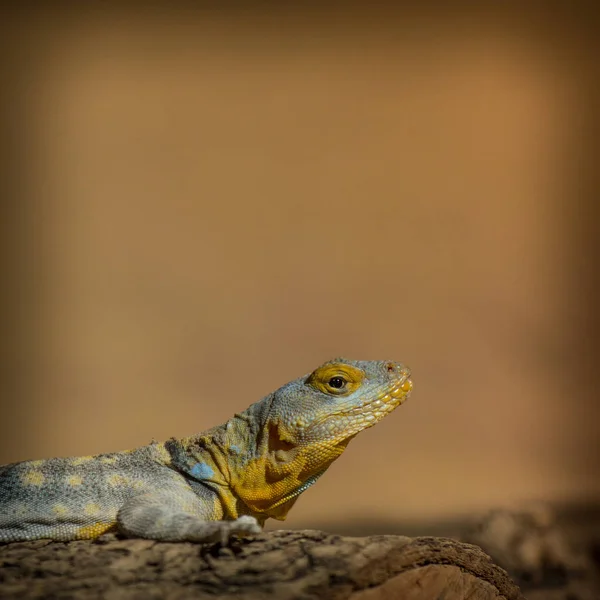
x,y
207,487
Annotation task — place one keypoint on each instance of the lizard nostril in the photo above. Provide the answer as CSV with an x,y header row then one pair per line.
x,y
397,370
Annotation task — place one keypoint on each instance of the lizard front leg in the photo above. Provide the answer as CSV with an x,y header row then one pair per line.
x,y
178,518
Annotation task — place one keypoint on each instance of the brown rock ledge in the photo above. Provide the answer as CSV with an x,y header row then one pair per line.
x,y
284,565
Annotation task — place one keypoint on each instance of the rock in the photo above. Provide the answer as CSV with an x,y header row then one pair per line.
x,y
285,565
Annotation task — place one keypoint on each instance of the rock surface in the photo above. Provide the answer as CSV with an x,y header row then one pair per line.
x,y
283,564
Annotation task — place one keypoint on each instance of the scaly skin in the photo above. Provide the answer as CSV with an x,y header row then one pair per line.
x,y
222,482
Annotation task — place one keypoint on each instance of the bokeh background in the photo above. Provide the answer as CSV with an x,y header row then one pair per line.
x,y
202,204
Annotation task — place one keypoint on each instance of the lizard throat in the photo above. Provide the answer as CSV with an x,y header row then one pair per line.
x,y
269,486
297,492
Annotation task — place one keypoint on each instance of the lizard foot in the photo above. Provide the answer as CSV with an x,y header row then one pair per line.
x,y
243,526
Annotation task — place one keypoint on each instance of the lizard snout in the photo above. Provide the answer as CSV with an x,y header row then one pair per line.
x,y
400,373
397,370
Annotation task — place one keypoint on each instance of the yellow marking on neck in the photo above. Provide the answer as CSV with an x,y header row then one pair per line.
x,y
267,484
162,453
321,378
89,532
36,463
33,478
74,480
109,460
78,460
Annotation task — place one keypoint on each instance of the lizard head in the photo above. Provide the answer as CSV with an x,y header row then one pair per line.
x,y
308,424
338,400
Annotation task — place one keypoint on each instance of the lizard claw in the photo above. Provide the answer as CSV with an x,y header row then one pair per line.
x,y
242,526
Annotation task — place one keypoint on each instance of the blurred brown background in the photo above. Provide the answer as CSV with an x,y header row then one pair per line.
x,y
201,205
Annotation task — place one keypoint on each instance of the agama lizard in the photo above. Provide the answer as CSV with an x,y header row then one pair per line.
x,y
223,482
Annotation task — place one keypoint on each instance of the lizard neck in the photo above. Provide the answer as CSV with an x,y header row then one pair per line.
x,y
254,465
269,479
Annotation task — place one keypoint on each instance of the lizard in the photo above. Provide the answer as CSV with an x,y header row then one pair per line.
x,y
210,487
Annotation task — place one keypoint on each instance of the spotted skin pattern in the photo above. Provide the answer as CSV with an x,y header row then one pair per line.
x,y
211,486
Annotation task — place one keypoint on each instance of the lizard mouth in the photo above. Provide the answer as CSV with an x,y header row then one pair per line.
x,y
389,398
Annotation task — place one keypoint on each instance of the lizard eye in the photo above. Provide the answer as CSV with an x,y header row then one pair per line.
x,y
337,382
336,379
